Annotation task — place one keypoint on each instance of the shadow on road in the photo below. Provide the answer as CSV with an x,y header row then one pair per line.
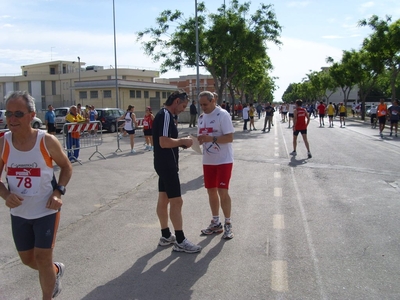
x,y
171,278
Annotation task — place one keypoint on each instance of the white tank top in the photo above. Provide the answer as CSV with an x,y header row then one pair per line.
x,y
128,121
29,175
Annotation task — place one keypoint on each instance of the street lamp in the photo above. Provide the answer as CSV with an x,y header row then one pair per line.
x,y
79,65
115,58
197,60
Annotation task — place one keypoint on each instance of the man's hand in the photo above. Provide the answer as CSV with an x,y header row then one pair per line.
x,y
13,200
186,142
54,201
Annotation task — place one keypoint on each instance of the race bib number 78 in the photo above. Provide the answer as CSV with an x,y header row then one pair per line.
x,y
24,181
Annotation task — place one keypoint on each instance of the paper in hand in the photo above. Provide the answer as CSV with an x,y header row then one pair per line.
x,y
196,146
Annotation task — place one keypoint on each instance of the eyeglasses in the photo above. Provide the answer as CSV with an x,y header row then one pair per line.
x,y
18,114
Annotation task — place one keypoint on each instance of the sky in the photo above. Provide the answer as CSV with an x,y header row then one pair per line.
x,y
37,31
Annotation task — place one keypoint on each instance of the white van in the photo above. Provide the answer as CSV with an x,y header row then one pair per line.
x,y
60,113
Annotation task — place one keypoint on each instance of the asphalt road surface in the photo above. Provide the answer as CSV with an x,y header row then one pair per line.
x,y
319,228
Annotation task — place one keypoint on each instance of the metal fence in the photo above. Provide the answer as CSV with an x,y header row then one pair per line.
x,y
78,136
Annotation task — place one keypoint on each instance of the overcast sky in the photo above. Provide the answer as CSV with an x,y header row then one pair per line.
x,y
36,31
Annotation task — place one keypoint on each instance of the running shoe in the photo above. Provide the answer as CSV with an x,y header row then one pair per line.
x,y
186,246
57,286
133,151
294,153
212,228
167,241
228,234
309,155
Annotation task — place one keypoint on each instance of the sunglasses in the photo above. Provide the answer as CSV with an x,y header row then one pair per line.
x,y
18,114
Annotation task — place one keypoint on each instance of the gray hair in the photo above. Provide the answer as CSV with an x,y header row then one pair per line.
x,y
207,94
30,101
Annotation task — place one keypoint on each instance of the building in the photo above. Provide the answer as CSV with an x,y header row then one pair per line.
x,y
64,83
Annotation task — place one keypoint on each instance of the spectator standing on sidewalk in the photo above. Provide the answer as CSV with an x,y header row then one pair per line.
x,y
382,113
193,114
394,113
130,125
50,120
34,197
301,119
73,138
215,133
166,158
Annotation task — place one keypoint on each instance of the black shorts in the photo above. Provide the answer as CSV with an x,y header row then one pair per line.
x,y
39,233
394,122
322,115
147,132
382,120
51,127
169,182
130,131
330,116
291,115
252,118
296,132
342,114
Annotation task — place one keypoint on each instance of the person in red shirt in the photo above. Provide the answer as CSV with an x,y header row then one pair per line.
x,y
147,128
382,113
301,119
321,111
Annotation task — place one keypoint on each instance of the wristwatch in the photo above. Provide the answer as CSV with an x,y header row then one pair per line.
x,y
61,188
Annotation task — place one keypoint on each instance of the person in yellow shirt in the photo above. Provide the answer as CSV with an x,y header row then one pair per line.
x,y
73,144
342,114
331,112
382,113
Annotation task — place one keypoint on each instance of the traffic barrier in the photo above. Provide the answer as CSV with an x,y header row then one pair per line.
x,y
80,136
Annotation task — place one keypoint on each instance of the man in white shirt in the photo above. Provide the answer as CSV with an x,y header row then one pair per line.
x,y
215,133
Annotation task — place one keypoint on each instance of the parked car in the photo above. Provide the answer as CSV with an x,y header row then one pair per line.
x,y
36,122
60,113
108,118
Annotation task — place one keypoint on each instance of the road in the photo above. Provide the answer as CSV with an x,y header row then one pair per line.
x,y
319,228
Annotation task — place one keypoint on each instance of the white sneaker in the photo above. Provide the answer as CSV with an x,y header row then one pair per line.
x,y
186,246
57,286
167,241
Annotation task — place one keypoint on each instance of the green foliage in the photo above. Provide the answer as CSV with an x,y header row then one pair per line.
x,y
231,46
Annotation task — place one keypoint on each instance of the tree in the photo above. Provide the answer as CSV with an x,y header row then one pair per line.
x,y
226,44
342,76
364,68
384,45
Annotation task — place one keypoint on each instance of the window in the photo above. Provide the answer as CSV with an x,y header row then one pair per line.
x,y
164,95
107,94
138,94
52,70
53,88
157,94
131,93
146,94
94,94
83,95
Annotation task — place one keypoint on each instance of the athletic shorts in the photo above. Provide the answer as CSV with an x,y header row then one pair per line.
x,y
342,114
291,115
217,176
394,121
39,233
330,116
169,182
51,127
322,115
147,132
130,131
252,118
382,120
285,113
296,132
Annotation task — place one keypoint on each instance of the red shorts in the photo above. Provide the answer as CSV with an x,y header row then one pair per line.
x,y
217,176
